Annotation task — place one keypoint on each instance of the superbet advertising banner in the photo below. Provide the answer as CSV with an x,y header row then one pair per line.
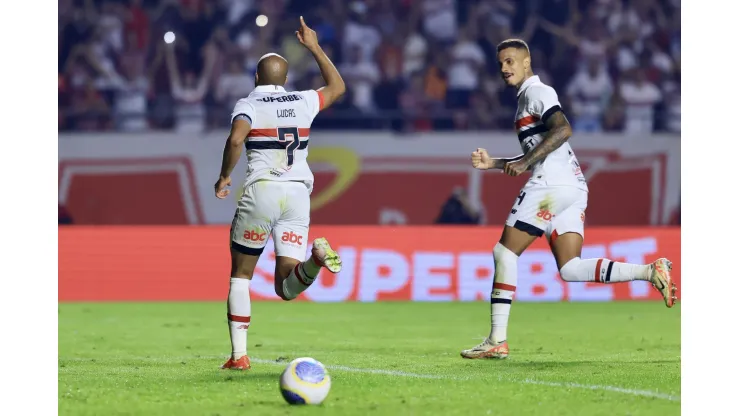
x,y
380,263
360,177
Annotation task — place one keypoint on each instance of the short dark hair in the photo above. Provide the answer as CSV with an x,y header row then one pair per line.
x,y
512,43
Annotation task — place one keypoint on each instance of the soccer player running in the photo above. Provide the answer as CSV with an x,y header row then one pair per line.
x,y
275,125
553,202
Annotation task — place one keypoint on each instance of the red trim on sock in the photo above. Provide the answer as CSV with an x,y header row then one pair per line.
x,y
504,286
237,318
598,270
305,273
298,275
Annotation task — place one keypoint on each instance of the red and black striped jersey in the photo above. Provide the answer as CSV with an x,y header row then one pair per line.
x,y
277,145
537,102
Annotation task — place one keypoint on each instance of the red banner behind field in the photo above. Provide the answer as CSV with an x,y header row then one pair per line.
x,y
183,263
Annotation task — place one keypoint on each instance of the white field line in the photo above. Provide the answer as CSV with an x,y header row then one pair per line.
x,y
396,373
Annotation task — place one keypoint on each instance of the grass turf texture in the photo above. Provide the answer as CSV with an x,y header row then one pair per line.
x,y
384,358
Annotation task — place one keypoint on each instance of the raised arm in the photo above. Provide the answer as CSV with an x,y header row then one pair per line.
x,y
335,87
564,33
210,54
172,70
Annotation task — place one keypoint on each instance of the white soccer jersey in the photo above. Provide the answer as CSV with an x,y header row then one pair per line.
x,y
277,145
537,102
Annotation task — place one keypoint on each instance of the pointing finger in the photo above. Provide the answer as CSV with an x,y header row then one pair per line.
x,y
303,23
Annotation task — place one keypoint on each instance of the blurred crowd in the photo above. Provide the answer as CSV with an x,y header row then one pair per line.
x,y
409,65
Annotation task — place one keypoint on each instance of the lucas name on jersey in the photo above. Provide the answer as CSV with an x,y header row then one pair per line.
x,y
285,113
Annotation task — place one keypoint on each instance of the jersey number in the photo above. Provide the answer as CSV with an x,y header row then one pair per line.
x,y
290,135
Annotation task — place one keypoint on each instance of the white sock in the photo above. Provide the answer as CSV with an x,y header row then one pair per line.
x,y
239,315
300,278
504,286
603,271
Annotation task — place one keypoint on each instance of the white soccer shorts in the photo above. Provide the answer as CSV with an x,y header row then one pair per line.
x,y
549,210
280,209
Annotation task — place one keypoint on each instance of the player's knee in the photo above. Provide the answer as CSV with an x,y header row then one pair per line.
x,y
569,271
503,254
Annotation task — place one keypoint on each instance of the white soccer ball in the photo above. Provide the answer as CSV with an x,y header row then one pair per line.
x,y
305,381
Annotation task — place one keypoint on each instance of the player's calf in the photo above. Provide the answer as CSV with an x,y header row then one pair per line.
x,y
239,316
304,274
603,270
502,293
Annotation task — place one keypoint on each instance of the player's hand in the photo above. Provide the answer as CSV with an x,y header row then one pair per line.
x,y
480,159
221,184
516,168
307,36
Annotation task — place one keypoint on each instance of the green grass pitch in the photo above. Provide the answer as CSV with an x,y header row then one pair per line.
x,y
619,358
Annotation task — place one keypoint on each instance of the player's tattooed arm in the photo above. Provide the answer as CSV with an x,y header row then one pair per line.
x,y
500,163
558,132
481,160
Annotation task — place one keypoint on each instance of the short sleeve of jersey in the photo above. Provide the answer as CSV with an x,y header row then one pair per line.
x,y
314,101
543,102
246,109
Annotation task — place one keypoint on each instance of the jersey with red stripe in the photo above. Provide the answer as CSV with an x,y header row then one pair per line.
x,y
537,102
277,145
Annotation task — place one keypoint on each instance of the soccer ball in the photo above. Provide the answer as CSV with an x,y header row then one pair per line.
x,y
305,381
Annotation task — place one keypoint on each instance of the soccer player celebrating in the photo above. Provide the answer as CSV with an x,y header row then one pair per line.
x,y
275,125
553,202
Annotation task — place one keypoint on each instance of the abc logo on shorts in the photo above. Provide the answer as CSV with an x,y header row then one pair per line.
x,y
291,237
251,235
